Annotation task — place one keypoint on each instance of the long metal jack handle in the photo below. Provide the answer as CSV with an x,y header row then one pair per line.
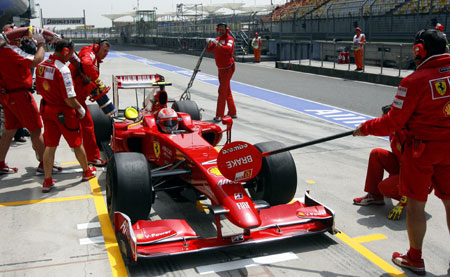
x,y
187,94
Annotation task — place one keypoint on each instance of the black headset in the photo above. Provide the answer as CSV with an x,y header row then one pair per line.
x,y
98,44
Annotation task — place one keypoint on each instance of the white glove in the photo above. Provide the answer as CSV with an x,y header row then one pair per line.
x,y
37,35
81,111
3,39
211,40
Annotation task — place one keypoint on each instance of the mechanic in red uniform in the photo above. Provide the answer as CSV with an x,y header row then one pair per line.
x,y
379,161
422,106
60,111
86,80
19,106
223,48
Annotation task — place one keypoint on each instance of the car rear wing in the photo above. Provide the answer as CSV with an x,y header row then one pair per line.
x,y
133,82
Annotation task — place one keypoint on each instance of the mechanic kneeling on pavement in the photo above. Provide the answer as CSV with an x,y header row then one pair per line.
x,y
86,79
422,106
60,110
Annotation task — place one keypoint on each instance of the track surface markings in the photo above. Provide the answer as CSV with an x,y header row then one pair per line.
x,y
369,238
271,259
388,268
83,226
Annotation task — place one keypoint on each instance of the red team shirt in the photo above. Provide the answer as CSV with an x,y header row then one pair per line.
x,y
54,83
223,55
16,74
19,106
91,68
422,107
422,104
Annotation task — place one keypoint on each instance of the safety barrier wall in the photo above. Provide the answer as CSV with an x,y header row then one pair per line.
x,y
392,27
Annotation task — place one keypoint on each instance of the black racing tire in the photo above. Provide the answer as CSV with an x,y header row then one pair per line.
x,y
189,107
276,183
124,247
103,125
129,186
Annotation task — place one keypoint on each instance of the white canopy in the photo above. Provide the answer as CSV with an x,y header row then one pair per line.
x,y
118,15
256,8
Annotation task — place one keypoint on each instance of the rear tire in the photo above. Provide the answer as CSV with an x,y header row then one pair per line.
x,y
129,186
189,107
276,183
102,124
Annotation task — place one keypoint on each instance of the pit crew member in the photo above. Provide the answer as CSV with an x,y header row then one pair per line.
x,y
19,106
223,48
86,80
379,161
60,111
422,105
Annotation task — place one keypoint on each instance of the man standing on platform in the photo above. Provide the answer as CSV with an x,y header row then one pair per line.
x,y
256,44
358,47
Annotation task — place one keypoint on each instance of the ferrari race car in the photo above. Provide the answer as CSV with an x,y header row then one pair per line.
x,y
143,160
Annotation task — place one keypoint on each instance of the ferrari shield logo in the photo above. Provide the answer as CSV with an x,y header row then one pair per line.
x,y
441,87
156,148
41,70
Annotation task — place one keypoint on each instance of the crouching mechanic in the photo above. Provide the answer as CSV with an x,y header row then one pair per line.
x,y
379,161
86,80
422,104
60,110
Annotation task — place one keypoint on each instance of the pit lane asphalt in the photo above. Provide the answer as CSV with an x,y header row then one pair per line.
x,y
42,238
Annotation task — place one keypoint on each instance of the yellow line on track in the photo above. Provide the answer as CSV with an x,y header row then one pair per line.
x,y
368,238
388,268
70,163
112,248
51,200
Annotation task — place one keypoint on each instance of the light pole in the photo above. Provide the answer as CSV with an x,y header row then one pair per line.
x,y
40,15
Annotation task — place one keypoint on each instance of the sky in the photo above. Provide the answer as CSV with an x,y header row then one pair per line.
x,y
95,8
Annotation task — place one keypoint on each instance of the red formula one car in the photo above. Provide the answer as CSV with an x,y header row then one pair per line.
x,y
144,160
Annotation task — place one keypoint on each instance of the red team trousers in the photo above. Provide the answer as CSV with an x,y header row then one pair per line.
x,y
225,96
379,161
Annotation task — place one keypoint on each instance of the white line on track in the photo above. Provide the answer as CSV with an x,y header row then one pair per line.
x,y
83,226
271,259
92,240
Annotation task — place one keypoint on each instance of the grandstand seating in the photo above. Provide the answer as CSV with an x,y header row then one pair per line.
x,y
354,8
420,6
382,7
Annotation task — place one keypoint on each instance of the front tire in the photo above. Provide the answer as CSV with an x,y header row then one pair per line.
x,y
276,183
128,186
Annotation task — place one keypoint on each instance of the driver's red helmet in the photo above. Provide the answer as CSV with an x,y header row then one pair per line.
x,y
439,27
167,120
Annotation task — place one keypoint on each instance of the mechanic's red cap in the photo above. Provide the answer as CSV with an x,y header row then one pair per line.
x,y
357,29
439,27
